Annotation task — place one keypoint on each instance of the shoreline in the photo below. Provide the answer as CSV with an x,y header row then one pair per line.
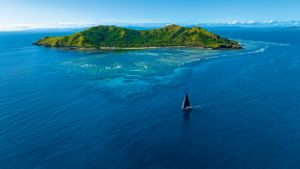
x,y
134,48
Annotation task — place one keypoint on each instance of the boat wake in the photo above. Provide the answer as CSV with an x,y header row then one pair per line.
x,y
197,106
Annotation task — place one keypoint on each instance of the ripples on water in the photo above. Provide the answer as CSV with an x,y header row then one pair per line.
x,y
72,109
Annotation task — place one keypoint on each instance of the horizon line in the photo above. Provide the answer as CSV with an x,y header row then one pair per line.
x,y
78,25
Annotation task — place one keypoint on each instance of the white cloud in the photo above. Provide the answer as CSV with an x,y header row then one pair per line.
x,y
62,25
66,25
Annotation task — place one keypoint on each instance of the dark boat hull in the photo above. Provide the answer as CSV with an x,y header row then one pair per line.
x,y
187,109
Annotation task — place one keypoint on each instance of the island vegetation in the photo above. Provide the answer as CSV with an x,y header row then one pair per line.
x,y
113,37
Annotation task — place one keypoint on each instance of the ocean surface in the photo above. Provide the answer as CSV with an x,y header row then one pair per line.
x,y
121,109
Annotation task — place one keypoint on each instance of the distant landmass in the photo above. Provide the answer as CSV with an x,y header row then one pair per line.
x,y
114,37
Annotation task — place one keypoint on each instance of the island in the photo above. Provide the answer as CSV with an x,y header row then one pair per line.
x,y
114,37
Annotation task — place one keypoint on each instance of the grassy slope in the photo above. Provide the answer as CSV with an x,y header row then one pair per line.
x,y
112,36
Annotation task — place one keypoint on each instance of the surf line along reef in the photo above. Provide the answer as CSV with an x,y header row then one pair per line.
x,y
113,37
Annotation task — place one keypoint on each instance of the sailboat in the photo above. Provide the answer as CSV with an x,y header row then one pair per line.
x,y
186,105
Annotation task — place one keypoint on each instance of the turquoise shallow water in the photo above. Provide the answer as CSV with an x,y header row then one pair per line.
x,y
71,109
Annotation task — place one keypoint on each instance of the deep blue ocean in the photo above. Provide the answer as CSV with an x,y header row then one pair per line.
x,y
121,109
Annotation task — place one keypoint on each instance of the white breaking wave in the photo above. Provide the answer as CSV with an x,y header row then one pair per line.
x,y
261,50
113,68
253,51
273,43
87,65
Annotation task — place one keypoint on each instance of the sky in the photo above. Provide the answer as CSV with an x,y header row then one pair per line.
x,y
53,12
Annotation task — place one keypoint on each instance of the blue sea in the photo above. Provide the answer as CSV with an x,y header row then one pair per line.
x,y
121,109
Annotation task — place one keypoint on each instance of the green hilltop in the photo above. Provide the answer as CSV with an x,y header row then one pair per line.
x,y
113,37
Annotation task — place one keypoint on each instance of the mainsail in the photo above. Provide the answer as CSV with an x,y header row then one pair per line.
x,y
186,106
